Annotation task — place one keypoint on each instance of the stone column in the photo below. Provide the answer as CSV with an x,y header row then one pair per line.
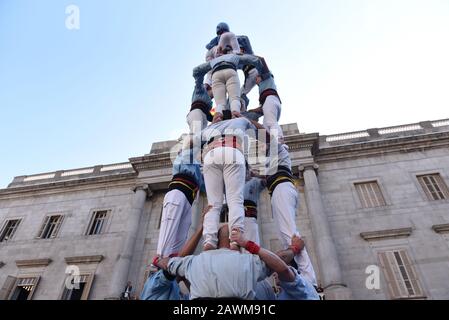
x,y
331,277
120,273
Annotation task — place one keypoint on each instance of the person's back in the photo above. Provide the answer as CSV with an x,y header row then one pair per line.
x,y
222,273
237,127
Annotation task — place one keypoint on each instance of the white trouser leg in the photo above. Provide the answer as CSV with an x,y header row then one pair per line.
x,y
271,114
234,178
252,230
208,80
219,90
197,121
175,223
233,89
213,179
250,81
284,202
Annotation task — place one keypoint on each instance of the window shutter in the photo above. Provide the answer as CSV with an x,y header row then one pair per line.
x,y
88,286
9,284
3,229
370,194
424,186
412,274
57,227
36,282
91,222
392,275
43,227
397,274
434,186
389,275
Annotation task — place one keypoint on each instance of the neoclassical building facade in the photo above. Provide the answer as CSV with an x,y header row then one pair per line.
x,y
374,212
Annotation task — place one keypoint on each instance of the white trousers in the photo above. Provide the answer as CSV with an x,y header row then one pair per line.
x,y
226,81
224,169
271,114
252,230
175,223
284,203
197,121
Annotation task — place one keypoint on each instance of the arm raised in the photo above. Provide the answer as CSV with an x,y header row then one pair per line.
x,y
271,259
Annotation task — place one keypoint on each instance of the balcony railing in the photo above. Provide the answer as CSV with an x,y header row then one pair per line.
x,y
72,174
382,133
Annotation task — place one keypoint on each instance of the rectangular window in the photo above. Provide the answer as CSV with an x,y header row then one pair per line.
x,y
400,275
79,288
98,222
8,230
50,227
434,186
24,288
370,194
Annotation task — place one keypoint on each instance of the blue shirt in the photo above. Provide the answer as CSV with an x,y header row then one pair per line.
x,y
237,127
185,163
281,159
252,189
213,43
266,84
158,287
264,290
200,94
299,289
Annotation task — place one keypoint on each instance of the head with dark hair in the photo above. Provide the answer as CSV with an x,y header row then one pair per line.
x,y
222,27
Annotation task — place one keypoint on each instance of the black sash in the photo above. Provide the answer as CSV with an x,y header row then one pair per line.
x,y
250,209
200,105
186,184
284,174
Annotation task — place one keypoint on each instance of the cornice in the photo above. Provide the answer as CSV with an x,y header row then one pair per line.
x,y
84,259
151,162
386,234
303,142
441,228
34,263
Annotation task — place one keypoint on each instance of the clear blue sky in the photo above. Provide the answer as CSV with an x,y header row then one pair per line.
x,y
105,92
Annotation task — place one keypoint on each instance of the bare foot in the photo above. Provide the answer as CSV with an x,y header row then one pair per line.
x,y
217,117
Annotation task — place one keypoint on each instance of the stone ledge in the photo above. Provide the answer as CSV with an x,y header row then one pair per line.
x,y
84,259
441,228
386,234
33,263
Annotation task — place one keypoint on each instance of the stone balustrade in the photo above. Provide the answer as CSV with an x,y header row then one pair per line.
x,y
424,127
